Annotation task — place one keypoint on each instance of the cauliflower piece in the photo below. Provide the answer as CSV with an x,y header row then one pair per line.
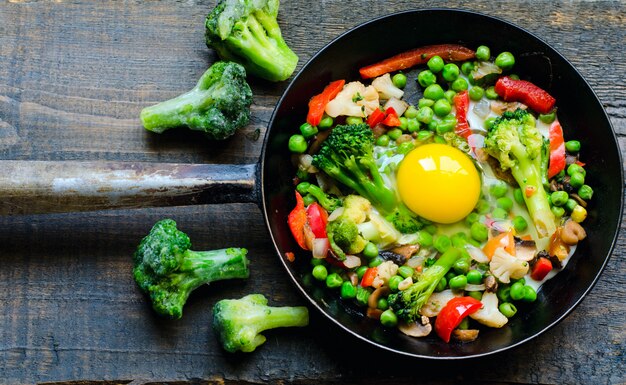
x,y
489,314
504,266
385,271
379,230
386,89
436,302
356,208
354,100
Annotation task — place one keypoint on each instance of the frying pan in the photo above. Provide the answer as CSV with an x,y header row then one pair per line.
x,y
30,187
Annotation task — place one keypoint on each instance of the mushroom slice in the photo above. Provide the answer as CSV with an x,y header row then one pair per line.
x,y
525,249
407,251
468,335
416,329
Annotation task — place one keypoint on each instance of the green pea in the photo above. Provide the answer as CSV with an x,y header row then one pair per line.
x,y
308,130
476,93
362,295
489,122
483,53
450,72
424,135
459,240
491,93
572,146
505,60
431,229
370,251
517,291
478,295
471,218
518,196
360,272
297,144
575,168
449,95
558,211
577,180
433,92
432,126
507,309
388,318
382,140
426,78
350,120
450,275
459,85
482,207
441,285
326,122
375,262
382,304
458,283
548,118
348,290
499,188
505,203
467,67
405,147
585,192
461,266
317,261
425,115
394,134
404,123
435,64
514,76
559,198
413,125
423,102
447,124
320,272
474,277
334,280
520,224
530,295
411,112
479,232
406,271
442,243
399,80
442,107
424,238
394,282
504,293
499,213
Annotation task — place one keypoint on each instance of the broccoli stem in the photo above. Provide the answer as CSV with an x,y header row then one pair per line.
x,y
277,317
200,267
176,112
428,281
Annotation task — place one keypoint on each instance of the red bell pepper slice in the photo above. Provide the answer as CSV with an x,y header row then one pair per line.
x,y
557,150
296,221
317,218
377,116
318,103
542,267
368,277
404,60
453,313
391,120
461,104
525,92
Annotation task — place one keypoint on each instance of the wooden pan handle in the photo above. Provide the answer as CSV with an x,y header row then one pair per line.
x,y
36,187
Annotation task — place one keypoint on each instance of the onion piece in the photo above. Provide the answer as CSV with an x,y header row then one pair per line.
x,y
352,261
399,106
471,287
482,108
415,261
320,248
335,214
477,254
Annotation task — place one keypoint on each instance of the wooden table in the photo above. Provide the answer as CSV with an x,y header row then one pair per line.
x,y
73,78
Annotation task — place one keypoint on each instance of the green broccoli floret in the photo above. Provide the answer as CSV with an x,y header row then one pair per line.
x,y
407,303
168,271
238,322
517,144
327,201
347,155
247,32
404,220
343,232
218,105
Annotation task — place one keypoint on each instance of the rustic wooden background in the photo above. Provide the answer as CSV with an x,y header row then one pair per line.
x,y
73,78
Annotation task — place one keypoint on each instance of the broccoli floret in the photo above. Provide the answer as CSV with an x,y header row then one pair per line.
x,y
407,303
238,322
343,232
517,144
347,156
218,105
168,271
327,201
404,220
247,32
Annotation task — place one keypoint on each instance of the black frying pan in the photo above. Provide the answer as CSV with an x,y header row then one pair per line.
x,y
30,187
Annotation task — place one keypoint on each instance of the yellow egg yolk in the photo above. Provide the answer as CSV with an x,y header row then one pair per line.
x,y
439,183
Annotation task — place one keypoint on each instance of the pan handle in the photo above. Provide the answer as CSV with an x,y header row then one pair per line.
x,y
37,187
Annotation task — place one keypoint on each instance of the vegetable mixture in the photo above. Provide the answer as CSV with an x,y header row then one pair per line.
x,y
446,212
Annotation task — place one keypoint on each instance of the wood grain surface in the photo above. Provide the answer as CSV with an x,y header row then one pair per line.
x,y
74,76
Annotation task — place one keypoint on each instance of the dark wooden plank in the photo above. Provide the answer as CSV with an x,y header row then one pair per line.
x,y
73,77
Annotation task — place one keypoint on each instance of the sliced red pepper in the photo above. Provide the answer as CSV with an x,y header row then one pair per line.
x,y
453,313
377,116
368,277
404,60
526,92
557,150
461,104
318,103
296,221
391,120
317,218
542,267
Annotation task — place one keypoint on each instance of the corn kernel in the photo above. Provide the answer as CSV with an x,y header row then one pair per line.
x,y
579,214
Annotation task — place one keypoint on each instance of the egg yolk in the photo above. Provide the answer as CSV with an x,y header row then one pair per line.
x,y
439,183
